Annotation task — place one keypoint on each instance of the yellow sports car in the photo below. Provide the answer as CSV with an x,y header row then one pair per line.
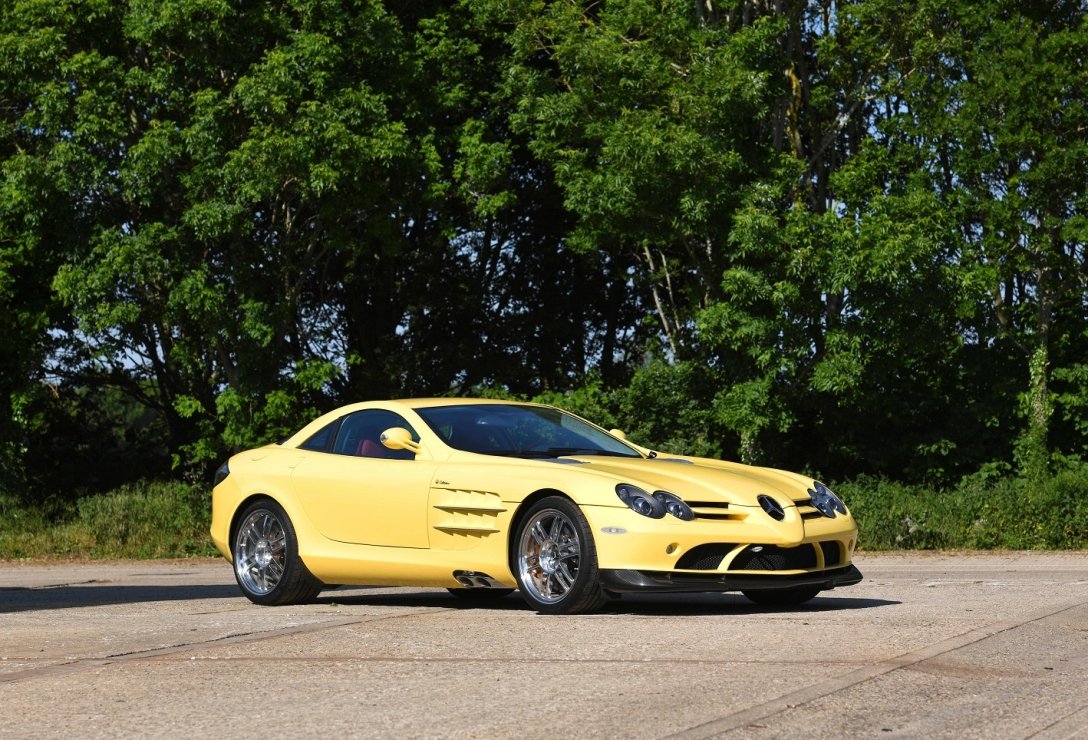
x,y
484,497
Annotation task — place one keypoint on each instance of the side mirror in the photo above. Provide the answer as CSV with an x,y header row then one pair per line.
x,y
619,434
399,438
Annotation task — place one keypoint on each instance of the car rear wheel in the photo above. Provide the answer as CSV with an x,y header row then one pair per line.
x,y
266,562
782,596
555,559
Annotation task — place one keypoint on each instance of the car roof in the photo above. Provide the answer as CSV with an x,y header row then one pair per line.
x,y
429,402
420,403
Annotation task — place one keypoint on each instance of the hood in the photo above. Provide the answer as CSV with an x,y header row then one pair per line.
x,y
700,479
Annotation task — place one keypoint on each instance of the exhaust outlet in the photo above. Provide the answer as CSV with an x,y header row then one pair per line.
x,y
473,579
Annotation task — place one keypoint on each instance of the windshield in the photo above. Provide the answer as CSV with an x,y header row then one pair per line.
x,y
520,431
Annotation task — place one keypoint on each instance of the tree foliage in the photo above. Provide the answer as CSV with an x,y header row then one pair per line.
x,y
841,236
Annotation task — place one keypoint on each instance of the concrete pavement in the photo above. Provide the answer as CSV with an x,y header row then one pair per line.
x,y
990,645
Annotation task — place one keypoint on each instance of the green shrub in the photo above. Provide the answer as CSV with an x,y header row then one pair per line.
x,y
149,519
980,513
894,515
169,519
1059,507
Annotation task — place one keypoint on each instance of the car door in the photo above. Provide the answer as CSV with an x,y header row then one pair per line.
x,y
361,492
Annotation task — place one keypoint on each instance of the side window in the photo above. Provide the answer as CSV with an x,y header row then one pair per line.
x,y
360,435
320,441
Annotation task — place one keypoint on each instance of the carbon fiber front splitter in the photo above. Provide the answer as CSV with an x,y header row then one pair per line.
x,y
630,581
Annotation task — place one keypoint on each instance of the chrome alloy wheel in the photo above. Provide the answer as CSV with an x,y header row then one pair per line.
x,y
260,552
548,555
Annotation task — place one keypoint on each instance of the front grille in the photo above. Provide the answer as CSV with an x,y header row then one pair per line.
x,y
772,557
806,509
704,557
712,510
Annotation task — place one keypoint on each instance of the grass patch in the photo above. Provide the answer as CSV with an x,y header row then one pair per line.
x,y
151,519
979,514
169,519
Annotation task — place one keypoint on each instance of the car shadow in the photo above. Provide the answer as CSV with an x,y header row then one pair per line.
x,y
630,604
76,596
92,594
730,603
361,596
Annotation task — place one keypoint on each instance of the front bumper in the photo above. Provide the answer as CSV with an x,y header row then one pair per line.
x,y
630,581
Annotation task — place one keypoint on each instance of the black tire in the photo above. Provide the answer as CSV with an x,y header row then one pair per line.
x,y
480,594
782,596
266,562
554,558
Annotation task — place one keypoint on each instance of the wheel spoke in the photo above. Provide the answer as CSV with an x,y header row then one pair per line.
x,y
538,534
564,578
557,528
568,549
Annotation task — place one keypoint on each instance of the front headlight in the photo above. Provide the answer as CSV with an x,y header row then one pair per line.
x,y
825,501
221,474
639,501
675,505
655,506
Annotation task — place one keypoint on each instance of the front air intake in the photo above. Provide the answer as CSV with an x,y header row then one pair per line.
x,y
772,557
832,553
705,557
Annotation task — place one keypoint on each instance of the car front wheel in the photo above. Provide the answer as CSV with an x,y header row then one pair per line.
x,y
555,559
266,562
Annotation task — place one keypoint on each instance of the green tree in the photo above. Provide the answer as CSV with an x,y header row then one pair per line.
x,y
991,101
842,236
48,196
652,119
264,211
839,343
900,287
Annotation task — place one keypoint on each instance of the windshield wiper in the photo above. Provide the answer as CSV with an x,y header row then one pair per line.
x,y
552,452
517,453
